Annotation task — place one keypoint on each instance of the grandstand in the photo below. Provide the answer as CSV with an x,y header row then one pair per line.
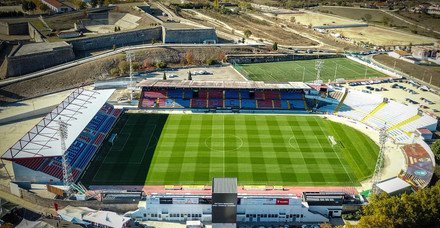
x,y
248,95
377,112
37,156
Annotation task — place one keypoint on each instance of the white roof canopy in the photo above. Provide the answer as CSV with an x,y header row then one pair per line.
x,y
77,110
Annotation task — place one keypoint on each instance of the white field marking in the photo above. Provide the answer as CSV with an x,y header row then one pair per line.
x,y
339,158
332,140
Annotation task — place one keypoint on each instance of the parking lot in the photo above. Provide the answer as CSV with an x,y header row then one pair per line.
x,y
404,91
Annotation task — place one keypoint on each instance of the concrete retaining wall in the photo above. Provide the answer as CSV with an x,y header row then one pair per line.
x,y
23,64
35,34
14,28
143,36
189,36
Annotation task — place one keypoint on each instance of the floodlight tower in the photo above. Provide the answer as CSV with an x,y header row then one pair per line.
x,y
130,58
377,170
318,66
63,132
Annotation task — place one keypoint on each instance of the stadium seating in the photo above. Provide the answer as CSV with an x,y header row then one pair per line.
x,y
249,104
187,94
264,104
203,94
277,104
155,94
244,94
215,94
82,149
271,94
181,103
232,103
214,103
291,95
259,95
175,93
198,103
223,98
232,94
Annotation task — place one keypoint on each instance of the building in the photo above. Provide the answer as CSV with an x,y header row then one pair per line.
x,y
88,217
425,133
32,57
394,186
37,156
56,6
230,206
399,54
430,53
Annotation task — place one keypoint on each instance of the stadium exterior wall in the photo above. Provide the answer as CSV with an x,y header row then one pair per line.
x,y
241,59
24,174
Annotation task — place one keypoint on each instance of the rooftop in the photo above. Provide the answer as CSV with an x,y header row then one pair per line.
x,y
392,185
77,110
54,3
221,84
224,185
28,49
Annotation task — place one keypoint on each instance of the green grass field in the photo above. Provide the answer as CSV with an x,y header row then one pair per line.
x,y
294,70
289,150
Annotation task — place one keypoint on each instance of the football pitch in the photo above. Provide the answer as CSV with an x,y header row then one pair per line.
x,y
304,70
289,150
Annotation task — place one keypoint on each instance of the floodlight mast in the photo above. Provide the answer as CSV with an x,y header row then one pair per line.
x,y
378,169
318,66
130,57
63,133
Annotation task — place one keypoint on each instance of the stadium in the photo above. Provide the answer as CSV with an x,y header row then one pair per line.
x,y
305,146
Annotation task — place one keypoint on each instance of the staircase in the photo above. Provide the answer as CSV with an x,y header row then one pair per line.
x,y
341,102
405,122
379,107
305,103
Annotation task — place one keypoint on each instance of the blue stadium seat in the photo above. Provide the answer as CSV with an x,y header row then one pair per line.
x,y
248,104
231,94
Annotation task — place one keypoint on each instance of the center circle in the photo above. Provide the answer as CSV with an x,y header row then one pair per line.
x,y
223,143
292,139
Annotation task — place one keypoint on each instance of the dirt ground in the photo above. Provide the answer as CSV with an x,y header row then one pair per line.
x,y
317,19
382,36
259,28
421,72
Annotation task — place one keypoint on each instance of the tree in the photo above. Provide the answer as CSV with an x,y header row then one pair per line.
x,y
247,33
435,147
386,20
189,75
275,46
43,7
164,76
367,17
189,58
419,209
28,6
292,19
124,67
216,4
